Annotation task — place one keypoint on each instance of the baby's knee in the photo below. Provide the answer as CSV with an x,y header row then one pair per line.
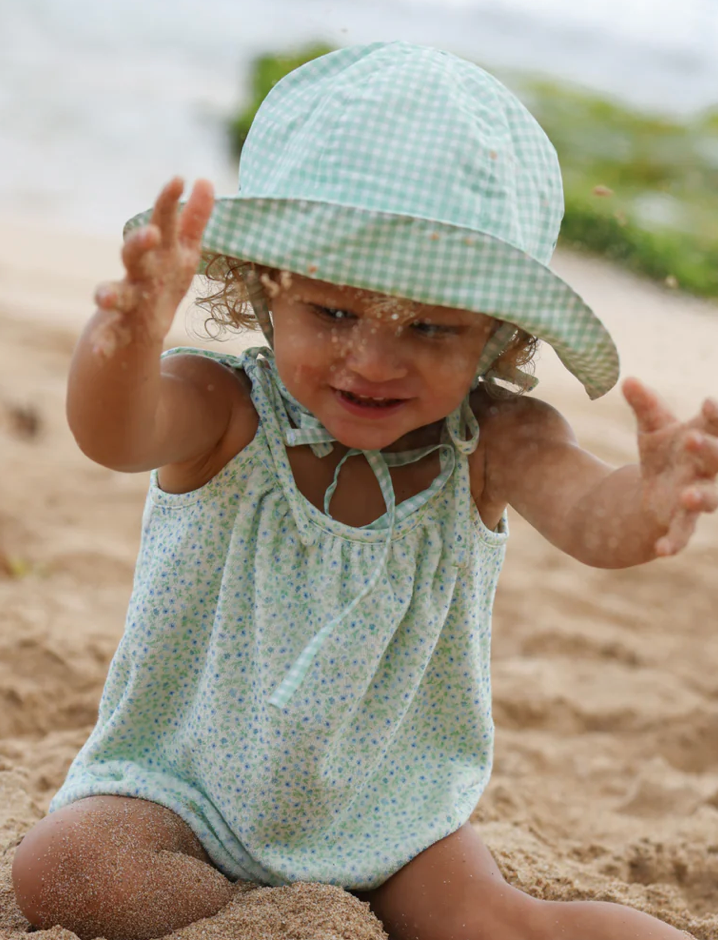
x,y
110,866
71,868
55,870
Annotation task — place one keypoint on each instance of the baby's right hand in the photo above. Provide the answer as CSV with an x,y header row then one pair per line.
x,y
160,260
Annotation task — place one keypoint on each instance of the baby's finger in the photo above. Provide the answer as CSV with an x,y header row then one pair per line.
x,y
196,213
651,413
678,535
700,497
704,450
135,251
117,295
709,414
164,214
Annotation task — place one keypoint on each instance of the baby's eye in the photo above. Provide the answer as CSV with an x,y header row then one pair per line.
x,y
427,328
334,313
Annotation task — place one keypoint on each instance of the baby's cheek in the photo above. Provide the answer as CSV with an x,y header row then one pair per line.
x,y
456,370
468,358
299,377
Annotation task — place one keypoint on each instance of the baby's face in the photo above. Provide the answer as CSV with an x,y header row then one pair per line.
x,y
372,368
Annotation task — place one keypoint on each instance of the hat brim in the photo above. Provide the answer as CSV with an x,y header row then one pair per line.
x,y
424,260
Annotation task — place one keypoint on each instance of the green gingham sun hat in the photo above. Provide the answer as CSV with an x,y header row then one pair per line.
x,y
410,172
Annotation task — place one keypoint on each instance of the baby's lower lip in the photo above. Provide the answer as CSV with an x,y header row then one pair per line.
x,y
366,407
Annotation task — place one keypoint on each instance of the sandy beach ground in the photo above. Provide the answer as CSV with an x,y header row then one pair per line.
x,y
606,682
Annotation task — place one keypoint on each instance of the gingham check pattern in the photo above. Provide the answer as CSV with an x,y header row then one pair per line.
x,y
411,172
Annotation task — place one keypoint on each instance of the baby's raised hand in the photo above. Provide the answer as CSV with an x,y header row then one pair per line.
x,y
679,464
160,260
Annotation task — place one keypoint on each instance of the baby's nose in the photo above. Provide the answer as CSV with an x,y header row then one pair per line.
x,y
375,353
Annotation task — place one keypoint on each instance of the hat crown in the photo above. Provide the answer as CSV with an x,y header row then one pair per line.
x,y
412,131
406,171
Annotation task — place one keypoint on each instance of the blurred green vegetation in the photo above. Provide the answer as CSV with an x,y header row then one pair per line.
x,y
266,71
641,190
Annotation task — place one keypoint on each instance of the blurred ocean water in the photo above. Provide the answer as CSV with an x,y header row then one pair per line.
x,y
100,103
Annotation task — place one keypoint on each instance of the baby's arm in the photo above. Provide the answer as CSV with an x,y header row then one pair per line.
x,y
126,409
605,517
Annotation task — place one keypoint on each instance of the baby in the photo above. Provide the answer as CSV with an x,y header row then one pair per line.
x,y
302,692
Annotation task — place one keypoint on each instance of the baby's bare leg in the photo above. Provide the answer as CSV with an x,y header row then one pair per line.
x,y
116,867
454,891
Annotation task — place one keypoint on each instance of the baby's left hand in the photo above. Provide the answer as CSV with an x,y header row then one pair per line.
x,y
679,464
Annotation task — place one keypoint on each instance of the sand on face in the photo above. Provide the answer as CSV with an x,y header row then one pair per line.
x,y
606,702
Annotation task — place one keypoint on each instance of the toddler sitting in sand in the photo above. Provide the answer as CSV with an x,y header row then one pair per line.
x,y
302,691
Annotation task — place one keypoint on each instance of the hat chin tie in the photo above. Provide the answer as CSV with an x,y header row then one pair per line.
x,y
258,301
496,346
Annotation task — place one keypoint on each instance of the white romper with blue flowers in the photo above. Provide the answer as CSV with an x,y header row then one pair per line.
x,y
312,699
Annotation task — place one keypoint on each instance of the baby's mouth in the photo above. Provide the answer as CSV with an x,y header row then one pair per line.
x,y
367,401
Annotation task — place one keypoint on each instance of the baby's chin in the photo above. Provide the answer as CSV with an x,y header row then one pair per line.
x,y
387,438
371,439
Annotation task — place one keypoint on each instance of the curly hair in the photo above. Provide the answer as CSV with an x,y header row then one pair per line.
x,y
225,297
227,302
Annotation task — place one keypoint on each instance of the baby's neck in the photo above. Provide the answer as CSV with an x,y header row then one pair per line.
x,y
425,436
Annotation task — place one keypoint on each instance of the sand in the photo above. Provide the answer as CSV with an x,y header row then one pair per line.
x,y
606,696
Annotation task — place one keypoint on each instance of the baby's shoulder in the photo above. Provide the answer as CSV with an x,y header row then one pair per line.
x,y
190,361
214,375
514,431
515,416
516,427
220,382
